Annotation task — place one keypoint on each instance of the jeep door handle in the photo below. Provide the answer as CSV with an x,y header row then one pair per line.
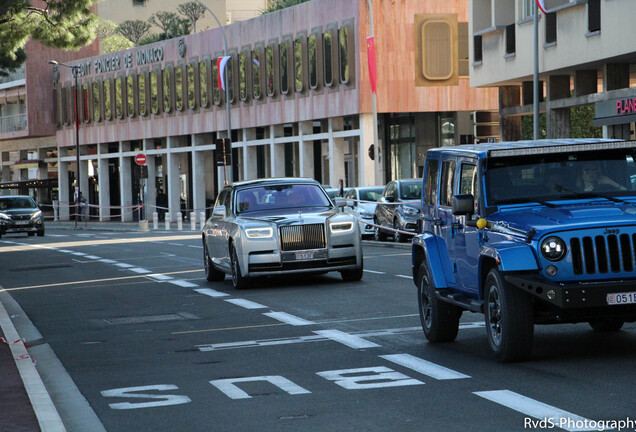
x,y
438,222
456,226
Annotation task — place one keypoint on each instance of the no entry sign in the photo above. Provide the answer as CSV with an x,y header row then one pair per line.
x,y
140,159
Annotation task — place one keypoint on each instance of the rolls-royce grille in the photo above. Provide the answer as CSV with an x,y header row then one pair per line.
x,y
603,253
302,237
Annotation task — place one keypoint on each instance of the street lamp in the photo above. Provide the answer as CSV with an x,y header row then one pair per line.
x,y
227,92
75,71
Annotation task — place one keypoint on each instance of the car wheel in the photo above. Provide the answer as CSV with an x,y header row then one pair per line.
x,y
378,235
211,273
509,319
440,320
353,275
41,233
238,280
398,237
606,325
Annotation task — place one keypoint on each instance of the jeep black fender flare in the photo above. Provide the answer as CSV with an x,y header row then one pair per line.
x,y
512,256
425,248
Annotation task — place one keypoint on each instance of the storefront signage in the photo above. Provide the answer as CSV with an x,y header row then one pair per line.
x,y
626,106
615,111
122,61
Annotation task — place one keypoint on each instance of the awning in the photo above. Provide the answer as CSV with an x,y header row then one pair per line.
x,y
607,121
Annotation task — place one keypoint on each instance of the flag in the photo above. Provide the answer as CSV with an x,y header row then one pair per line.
x,y
373,72
541,4
220,66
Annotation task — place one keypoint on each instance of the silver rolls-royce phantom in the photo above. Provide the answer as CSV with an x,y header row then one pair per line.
x,y
278,226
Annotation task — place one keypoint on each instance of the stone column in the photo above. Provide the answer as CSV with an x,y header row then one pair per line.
x,y
125,183
150,192
306,150
63,186
103,179
173,186
250,162
366,167
336,153
198,175
5,171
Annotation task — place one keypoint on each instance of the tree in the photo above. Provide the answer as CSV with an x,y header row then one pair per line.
x,y
66,24
133,30
116,43
193,11
171,25
275,5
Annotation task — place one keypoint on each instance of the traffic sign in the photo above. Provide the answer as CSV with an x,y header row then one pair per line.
x,y
140,159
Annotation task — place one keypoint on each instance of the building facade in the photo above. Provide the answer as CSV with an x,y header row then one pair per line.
x,y
300,104
586,56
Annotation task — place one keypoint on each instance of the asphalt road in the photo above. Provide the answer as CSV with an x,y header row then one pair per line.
x,y
152,346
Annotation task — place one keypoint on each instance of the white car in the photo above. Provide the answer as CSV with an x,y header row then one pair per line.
x,y
364,210
279,226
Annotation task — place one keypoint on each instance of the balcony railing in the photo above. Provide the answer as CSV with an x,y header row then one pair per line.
x,y
15,76
13,123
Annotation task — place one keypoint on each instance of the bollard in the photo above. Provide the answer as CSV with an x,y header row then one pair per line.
x,y
167,216
193,221
155,220
202,218
179,221
56,210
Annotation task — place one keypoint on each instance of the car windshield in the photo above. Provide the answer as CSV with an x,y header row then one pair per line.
x,y
280,197
370,194
10,203
549,177
411,190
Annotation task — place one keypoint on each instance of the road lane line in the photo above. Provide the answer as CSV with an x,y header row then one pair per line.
x,y
210,292
140,270
288,318
404,276
536,409
160,277
124,265
374,272
424,367
247,304
183,283
93,257
347,339
108,261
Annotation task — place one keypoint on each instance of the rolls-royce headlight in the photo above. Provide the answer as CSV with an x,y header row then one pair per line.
x,y
411,211
340,227
265,232
553,248
37,214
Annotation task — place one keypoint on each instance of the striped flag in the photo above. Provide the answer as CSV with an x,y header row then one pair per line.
x,y
541,4
221,62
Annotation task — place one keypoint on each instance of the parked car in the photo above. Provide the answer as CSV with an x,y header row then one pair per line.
x,y
398,208
364,211
279,226
527,232
20,214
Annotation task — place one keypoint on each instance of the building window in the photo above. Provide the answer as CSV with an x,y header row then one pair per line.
x,y
167,94
313,62
130,94
298,65
437,50
446,184
430,185
343,48
256,74
108,99
86,116
139,2
328,59
269,63
97,114
178,80
192,100
242,77
229,86
462,49
478,53
594,16
216,91
551,28
119,95
141,86
154,92
284,76
203,77
510,39
527,9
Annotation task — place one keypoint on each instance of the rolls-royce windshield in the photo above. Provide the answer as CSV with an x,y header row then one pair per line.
x,y
281,196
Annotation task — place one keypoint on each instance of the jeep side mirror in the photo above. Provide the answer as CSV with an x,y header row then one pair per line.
x,y
463,205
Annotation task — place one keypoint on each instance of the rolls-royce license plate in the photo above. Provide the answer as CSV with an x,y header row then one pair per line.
x,y
304,255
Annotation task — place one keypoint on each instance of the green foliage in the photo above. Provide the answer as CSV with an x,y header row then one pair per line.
x,y
171,25
580,124
133,30
115,43
275,5
66,24
193,11
10,63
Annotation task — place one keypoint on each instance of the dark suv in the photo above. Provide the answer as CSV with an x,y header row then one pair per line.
x,y
528,232
18,213
398,208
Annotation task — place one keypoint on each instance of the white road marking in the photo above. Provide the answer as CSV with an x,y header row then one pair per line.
x,y
93,257
424,367
78,253
374,272
108,261
140,270
210,292
404,276
247,304
347,339
124,265
536,409
160,277
374,377
196,247
232,391
288,318
183,283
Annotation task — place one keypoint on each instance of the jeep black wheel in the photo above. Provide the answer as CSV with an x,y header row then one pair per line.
x,y
353,275
378,235
211,273
440,320
509,319
606,325
238,280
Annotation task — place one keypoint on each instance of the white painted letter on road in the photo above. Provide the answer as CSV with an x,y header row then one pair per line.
x,y
160,400
367,378
228,386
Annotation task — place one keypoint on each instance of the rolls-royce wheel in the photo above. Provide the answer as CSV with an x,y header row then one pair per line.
x,y
353,275
211,273
238,280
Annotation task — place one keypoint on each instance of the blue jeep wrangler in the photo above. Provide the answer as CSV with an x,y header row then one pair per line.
x,y
527,232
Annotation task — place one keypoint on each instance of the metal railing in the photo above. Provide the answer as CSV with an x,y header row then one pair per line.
x,y
20,74
13,123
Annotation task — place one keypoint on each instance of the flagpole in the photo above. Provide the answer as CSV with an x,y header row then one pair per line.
x,y
535,98
374,103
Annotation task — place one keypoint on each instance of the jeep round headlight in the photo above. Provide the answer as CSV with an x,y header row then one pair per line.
x,y
553,248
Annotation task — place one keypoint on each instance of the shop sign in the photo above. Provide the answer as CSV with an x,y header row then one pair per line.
x,y
122,61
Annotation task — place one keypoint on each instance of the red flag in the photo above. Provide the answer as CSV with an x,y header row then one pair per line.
x,y
220,66
541,4
373,71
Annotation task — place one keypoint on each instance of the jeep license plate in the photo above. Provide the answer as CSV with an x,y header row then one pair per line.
x,y
621,298
304,256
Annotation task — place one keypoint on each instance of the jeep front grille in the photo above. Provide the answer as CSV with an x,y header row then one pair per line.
x,y
603,253
302,237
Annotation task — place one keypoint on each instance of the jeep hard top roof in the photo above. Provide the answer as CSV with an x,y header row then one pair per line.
x,y
528,147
